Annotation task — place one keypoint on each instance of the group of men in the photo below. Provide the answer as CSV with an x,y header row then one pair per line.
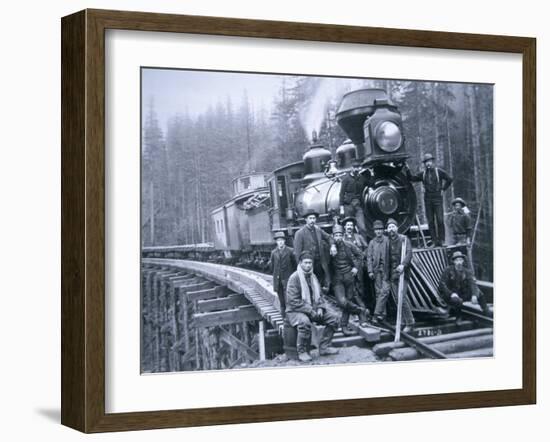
x,y
345,261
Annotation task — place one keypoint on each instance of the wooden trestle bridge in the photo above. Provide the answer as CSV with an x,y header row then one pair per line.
x,y
208,316
203,316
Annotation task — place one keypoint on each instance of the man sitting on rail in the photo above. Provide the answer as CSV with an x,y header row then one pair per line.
x,y
313,239
281,263
457,285
304,305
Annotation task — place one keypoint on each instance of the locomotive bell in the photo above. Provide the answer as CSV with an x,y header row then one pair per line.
x,y
345,154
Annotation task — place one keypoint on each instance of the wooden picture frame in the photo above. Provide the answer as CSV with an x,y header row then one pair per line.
x,y
83,219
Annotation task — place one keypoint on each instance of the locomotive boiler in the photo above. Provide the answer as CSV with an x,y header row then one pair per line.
x,y
374,127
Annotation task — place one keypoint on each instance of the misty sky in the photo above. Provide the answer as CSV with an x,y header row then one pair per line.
x,y
175,90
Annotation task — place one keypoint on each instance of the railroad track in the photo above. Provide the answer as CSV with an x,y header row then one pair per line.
x,y
199,315
475,342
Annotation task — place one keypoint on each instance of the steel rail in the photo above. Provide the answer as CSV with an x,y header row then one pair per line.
x,y
421,347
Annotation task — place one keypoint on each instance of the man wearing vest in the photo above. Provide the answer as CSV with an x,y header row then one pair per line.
x,y
315,240
345,266
435,181
304,305
282,264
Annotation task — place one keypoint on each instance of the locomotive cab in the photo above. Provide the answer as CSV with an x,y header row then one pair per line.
x,y
284,183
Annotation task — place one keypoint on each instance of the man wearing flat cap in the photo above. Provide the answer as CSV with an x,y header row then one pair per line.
x,y
282,264
305,305
315,240
460,222
435,181
378,269
351,193
399,263
345,270
457,285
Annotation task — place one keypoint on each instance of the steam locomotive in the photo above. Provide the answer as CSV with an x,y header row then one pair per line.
x,y
264,203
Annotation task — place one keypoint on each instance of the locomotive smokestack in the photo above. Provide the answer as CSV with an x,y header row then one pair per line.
x,y
314,137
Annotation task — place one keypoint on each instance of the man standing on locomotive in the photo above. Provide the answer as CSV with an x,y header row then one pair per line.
x,y
351,192
457,285
345,265
282,264
460,223
398,265
313,239
435,182
378,268
304,305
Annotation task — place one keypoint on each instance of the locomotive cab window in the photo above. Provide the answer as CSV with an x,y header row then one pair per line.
x,y
283,198
245,182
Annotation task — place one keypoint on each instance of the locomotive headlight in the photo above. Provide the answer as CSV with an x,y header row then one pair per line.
x,y
388,136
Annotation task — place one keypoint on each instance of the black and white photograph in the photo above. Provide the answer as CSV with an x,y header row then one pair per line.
x,y
295,220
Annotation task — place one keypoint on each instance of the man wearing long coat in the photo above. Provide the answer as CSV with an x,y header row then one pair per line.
x,y
313,239
282,264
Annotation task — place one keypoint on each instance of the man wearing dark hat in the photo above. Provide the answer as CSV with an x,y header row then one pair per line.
x,y
305,305
435,182
351,236
315,240
460,222
399,264
457,285
345,269
351,192
378,269
282,263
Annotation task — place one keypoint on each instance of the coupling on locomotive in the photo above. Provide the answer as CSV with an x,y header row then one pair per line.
x,y
346,226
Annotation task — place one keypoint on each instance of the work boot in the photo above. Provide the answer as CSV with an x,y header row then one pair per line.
x,y
344,319
302,344
364,315
458,319
328,351
347,331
